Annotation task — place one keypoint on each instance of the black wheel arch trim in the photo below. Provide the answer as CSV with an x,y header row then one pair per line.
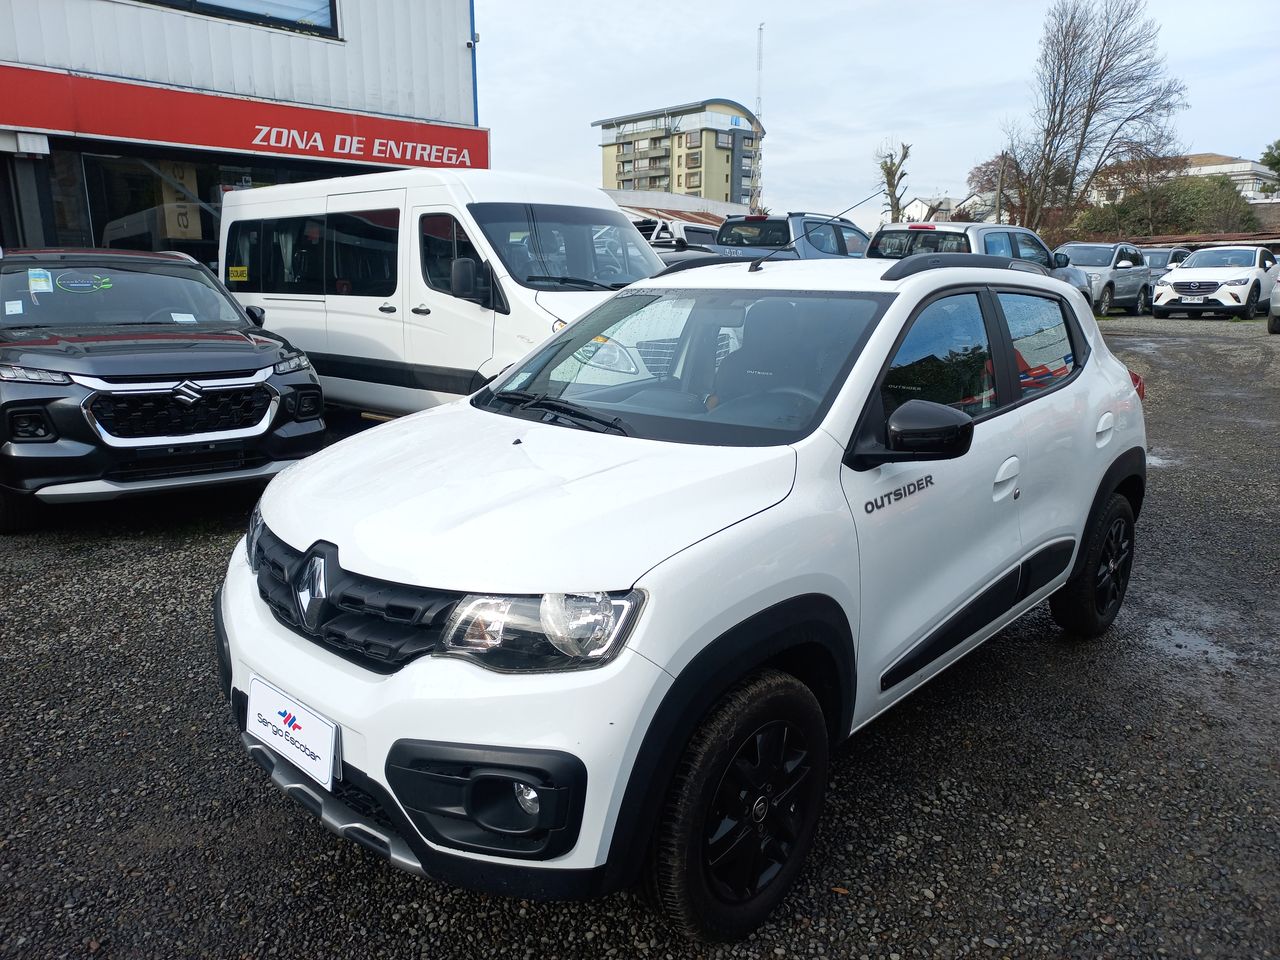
x,y
766,638
1127,474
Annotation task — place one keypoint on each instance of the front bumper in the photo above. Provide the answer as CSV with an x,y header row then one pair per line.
x,y
80,462
1228,300
450,723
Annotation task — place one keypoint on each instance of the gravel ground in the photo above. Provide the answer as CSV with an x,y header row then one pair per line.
x,y
1045,798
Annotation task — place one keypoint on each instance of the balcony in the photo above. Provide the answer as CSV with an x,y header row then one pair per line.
x,y
653,152
616,135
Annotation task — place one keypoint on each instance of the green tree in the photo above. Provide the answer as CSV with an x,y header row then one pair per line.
x,y
1271,157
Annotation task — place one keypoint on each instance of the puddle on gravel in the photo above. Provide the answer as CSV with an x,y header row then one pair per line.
x,y
1178,640
1161,457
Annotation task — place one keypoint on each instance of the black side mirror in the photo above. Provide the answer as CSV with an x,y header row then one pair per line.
x,y
1061,260
929,431
257,314
682,243
462,278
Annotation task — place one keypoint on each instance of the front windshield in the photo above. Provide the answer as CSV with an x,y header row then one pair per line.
x,y
1220,258
555,247
107,293
1092,255
713,367
1157,258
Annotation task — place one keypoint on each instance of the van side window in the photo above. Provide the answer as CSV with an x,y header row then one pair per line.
x,y
293,255
442,241
242,266
363,251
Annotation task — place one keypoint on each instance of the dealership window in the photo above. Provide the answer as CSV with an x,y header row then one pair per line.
x,y
444,241
305,16
363,248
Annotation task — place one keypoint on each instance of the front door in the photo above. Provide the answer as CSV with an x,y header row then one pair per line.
x,y
364,362
448,339
938,542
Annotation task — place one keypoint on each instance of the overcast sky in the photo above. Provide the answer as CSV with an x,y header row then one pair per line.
x,y
840,78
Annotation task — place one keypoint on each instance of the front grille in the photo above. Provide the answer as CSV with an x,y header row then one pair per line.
x,y
136,415
185,465
376,623
1195,288
364,803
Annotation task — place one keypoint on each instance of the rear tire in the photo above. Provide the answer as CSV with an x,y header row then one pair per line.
x,y
742,810
1087,604
1139,305
18,512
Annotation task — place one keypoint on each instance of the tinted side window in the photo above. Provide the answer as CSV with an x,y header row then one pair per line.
x,y
1178,256
699,235
822,236
1030,249
242,263
442,241
1135,255
945,358
855,244
363,252
293,255
1041,343
997,245
1268,260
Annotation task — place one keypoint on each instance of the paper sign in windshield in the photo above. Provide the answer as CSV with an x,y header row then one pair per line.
x,y
11,307
39,280
183,317
237,274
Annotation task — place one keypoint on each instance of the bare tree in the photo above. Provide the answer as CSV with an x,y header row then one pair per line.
x,y
1100,87
893,178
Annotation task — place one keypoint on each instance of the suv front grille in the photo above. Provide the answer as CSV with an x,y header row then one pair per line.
x,y
1195,288
136,415
375,623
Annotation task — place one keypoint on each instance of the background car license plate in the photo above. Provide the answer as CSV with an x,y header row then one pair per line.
x,y
303,738
1193,299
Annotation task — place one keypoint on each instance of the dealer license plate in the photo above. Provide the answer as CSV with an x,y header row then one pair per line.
x,y
305,739
1193,299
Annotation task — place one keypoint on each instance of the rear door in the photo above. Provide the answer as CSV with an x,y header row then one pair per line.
x,y
363,299
939,541
448,338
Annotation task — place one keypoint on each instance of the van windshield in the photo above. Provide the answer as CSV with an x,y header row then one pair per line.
x,y
111,293
555,247
712,367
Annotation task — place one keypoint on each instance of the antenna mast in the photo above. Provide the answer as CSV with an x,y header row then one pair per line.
x,y
757,129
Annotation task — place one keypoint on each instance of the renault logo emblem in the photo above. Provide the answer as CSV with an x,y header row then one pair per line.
x,y
311,588
187,393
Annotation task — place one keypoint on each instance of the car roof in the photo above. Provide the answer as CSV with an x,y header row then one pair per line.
x,y
95,254
1241,247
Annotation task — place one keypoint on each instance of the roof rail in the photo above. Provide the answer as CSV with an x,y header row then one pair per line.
x,y
920,262
700,262
179,253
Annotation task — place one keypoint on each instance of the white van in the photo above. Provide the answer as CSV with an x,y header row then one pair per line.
x,y
414,287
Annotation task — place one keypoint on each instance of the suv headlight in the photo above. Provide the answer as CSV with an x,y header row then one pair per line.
x,y
1095,277
556,631
1162,282
31,374
292,363
252,536
1237,282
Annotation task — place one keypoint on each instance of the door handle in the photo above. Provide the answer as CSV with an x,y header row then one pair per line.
x,y
387,308
421,310
1005,478
1102,432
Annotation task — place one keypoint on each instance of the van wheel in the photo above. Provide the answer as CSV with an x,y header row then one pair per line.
x,y
18,512
742,810
1087,604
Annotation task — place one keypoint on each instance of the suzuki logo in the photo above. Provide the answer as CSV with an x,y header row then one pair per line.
x,y
187,393
311,589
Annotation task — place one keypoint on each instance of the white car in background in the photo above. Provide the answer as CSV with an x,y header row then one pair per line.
x,y
1229,280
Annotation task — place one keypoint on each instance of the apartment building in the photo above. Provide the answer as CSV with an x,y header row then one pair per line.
x,y
705,149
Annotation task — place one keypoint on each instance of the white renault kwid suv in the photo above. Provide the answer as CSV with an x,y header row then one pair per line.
x,y
605,620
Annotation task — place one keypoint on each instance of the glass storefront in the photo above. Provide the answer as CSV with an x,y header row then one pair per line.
x,y
133,197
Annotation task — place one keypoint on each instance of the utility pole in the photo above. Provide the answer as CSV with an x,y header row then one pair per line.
x,y
757,191
1000,186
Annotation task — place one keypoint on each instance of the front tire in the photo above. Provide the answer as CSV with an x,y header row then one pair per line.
x,y
1105,301
1273,323
1139,305
1087,604
1250,310
742,810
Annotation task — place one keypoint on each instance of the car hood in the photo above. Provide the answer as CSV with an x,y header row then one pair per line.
x,y
569,305
457,498
1210,275
107,351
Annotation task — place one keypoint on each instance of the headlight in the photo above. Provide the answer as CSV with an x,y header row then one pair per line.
x,y
252,536
557,631
292,363
1162,282
1095,277
1238,282
31,374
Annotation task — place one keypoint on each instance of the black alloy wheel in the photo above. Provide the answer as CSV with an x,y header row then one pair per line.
x,y
742,809
755,817
1251,303
1114,567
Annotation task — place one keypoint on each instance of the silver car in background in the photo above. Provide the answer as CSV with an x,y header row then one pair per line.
x,y
1118,275
893,241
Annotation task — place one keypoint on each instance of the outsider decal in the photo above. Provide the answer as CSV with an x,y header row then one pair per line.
x,y
901,493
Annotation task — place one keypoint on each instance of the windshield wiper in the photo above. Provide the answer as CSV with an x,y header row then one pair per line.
x,y
569,281
563,408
